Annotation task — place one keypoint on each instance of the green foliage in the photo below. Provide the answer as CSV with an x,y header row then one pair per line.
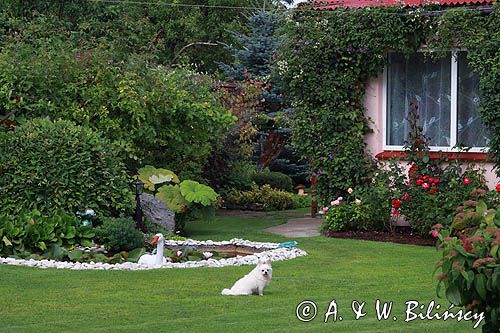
x,y
342,215
154,113
479,34
470,264
330,57
240,176
172,196
301,201
33,232
425,206
49,165
194,192
151,177
260,198
119,234
276,180
158,32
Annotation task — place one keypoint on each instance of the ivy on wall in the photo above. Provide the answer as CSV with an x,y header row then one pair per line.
x,y
330,56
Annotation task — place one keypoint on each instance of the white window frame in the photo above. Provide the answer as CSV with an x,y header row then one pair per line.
x,y
453,110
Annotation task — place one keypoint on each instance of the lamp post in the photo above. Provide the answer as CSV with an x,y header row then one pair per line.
x,y
137,188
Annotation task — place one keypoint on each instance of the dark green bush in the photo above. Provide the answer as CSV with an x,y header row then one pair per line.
x,y
276,180
119,234
28,233
49,165
263,198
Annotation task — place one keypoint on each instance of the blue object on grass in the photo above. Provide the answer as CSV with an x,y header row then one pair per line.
x,y
288,244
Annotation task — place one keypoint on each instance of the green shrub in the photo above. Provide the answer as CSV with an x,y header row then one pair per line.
x,y
342,215
49,165
276,180
241,176
260,198
28,233
470,263
119,234
301,201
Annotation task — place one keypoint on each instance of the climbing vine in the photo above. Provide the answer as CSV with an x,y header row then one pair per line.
x,y
330,56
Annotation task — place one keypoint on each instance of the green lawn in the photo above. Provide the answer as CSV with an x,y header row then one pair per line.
x,y
188,300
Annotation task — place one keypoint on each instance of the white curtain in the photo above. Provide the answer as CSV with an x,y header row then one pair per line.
x,y
471,131
427,84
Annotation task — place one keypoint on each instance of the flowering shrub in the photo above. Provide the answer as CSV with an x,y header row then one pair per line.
x,y
430,197
470,264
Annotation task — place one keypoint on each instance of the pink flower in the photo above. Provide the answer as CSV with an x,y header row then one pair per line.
x,y
325,209
178,253
425,185
350,190
396,212
434,233
357,202
335,203
340,198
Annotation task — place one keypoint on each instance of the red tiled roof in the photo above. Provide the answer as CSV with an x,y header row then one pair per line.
x,y
332,4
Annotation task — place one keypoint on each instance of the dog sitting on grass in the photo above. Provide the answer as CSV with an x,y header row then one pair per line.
x,y
254,282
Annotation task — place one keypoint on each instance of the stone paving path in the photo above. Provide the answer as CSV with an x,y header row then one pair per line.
x,y
298,227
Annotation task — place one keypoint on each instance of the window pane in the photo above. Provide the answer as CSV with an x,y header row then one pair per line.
x,y
426,83
471,132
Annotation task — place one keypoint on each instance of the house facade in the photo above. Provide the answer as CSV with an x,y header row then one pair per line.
x,y
444,91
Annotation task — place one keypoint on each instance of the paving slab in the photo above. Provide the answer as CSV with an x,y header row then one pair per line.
x,y
301,227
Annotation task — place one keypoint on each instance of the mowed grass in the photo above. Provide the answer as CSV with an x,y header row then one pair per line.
x,y
189,300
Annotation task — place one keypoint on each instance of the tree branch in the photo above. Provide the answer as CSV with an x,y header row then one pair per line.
x,y
190,45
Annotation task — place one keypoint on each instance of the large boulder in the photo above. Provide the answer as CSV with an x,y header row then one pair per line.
x,y
157,212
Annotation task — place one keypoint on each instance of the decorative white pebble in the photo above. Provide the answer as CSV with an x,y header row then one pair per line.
x,y
272,252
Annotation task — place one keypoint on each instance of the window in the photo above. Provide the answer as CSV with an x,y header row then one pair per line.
x,y
446,93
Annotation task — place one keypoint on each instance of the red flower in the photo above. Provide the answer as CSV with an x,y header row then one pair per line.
x,y
466,181
434,233
419,182
425,185
433,190
498,187
404,197
395,212
396,203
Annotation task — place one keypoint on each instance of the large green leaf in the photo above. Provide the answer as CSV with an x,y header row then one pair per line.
x,y
6,241
193,191
152,176
171,195
453,294
480,285
135,254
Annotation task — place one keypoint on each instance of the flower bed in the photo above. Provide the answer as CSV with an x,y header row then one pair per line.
x,y
270,250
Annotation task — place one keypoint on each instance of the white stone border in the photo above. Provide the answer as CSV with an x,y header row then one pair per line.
x,y
273,252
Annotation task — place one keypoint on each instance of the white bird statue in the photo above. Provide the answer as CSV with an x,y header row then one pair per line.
x,y
158,258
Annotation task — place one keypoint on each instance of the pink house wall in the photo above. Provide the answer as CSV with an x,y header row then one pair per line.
x,y
374,111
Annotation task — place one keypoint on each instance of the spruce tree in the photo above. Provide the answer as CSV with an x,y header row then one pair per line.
x,y
253,60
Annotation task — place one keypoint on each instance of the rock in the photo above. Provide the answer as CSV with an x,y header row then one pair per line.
x,y
157,212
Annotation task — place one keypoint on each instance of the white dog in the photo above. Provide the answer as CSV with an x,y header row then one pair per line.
x,y
254,282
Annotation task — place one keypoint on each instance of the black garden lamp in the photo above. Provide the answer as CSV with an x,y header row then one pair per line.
x,y
137,188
